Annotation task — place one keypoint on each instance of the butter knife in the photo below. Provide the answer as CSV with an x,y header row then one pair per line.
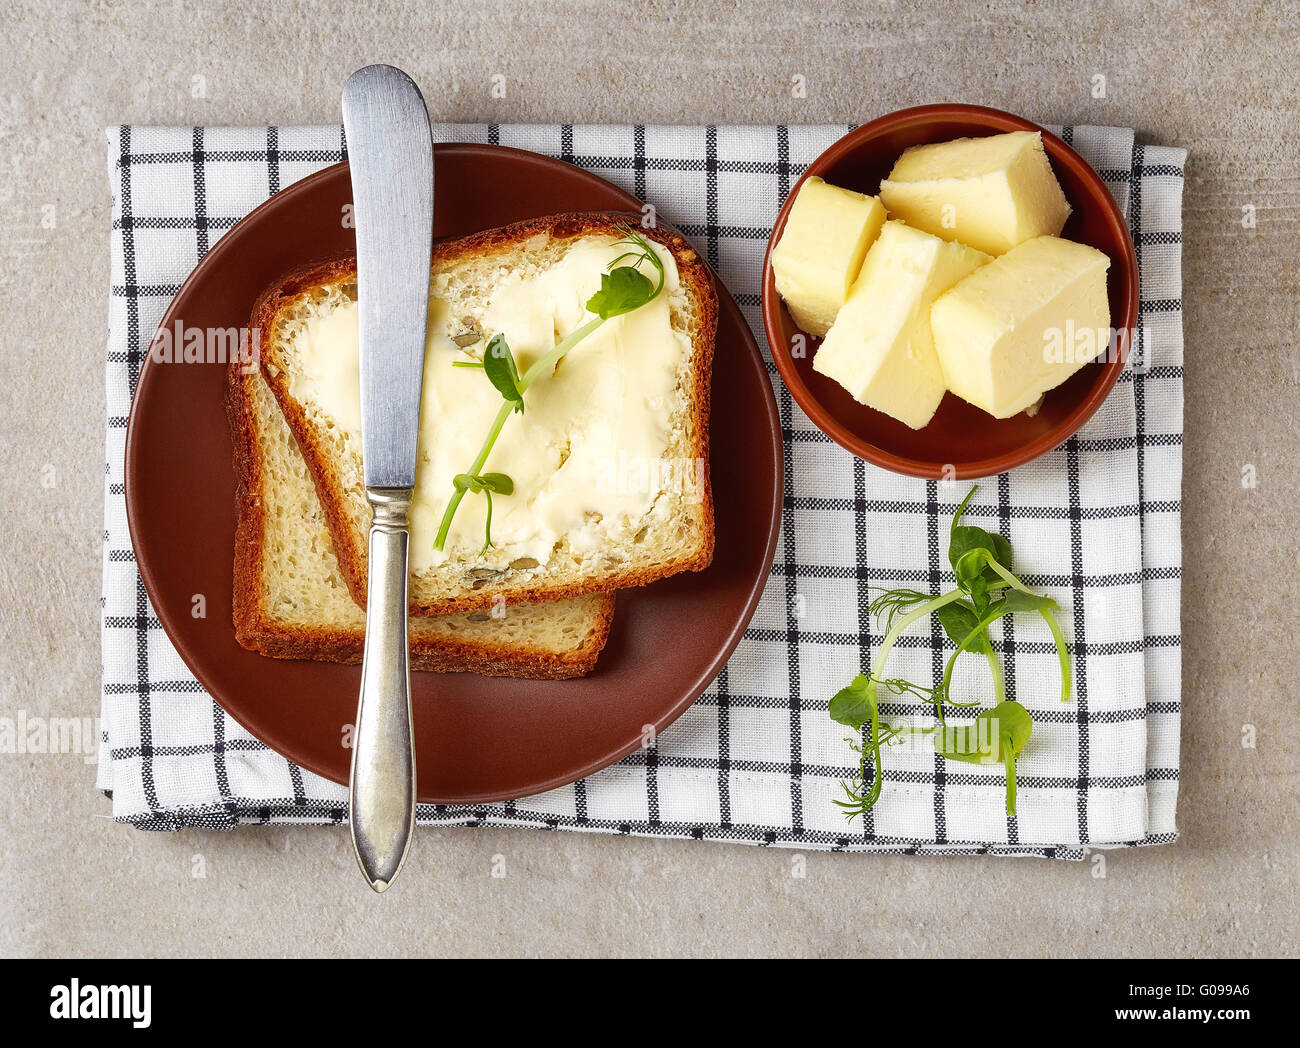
x,y
391,153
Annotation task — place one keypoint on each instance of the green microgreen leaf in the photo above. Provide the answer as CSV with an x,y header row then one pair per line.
x,y
1006,726
997,736
971,567
621,291
957,620
497,482
625,288
499,363
854,703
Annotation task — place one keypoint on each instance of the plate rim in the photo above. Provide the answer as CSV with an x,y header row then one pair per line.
x,y
175,633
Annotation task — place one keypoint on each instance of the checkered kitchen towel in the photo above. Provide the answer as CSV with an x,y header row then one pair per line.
x,y
756,759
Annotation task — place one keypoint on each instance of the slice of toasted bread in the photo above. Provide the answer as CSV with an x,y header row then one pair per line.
x,y
673,532
290,599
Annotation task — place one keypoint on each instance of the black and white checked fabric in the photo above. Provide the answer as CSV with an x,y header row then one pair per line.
x,y
756,760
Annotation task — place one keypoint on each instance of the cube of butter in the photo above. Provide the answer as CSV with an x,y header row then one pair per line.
x,y
821,249
991,193
1023,324
879,347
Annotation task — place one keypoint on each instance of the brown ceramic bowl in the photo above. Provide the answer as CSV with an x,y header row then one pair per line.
x,y
477,738
961,441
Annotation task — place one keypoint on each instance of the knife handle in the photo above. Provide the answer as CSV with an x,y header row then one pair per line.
x,y
383,753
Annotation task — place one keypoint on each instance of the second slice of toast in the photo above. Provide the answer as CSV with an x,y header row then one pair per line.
x,y
290,598
609,459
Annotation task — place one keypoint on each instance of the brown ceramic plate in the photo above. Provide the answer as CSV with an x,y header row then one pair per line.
x,y
961,441
477,738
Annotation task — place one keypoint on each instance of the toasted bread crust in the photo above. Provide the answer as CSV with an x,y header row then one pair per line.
x,y
256,630
349,545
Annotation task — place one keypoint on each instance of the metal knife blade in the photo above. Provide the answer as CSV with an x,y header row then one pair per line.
x,y
390,149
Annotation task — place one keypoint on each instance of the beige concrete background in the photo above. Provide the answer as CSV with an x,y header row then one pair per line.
x,y
1223,82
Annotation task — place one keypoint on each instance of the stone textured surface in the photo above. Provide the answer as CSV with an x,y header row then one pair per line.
x,y
1225,85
